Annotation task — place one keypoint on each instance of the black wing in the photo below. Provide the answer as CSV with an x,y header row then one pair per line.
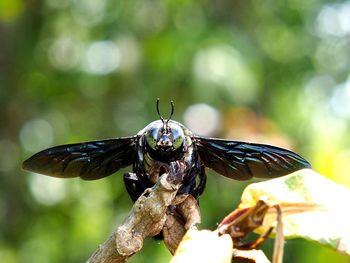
x,y
242,160
88,160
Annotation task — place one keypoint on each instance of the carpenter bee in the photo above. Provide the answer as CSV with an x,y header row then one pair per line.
x,y
154,148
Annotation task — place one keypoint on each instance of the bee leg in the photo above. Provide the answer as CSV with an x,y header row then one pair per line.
x,y
135,185
198,190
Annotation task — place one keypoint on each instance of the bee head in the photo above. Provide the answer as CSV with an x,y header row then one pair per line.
x,y
165,135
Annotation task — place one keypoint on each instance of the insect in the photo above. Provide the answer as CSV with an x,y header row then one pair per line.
x,y
151,151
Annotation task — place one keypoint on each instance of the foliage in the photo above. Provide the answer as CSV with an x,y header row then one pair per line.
x,y
311,207
75,70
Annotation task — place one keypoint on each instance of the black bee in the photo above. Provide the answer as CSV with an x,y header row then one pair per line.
x,y
152,150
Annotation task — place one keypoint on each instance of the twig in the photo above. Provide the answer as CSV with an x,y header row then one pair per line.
x,y
184,217
146,218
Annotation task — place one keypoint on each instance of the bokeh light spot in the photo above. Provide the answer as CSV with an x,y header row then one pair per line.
x,y
144,15
224,67
64,53
334,20
102,57
46,190
131,55
340,101
88,12
333,55
202,119
36,135
280,42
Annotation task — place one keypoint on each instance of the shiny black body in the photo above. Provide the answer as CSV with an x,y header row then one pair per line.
x,y
151,151
150,163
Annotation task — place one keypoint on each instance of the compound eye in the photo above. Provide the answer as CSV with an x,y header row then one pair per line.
x,y
151,138
178,138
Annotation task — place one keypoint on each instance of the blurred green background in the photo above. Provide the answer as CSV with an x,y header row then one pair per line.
x,y
74,70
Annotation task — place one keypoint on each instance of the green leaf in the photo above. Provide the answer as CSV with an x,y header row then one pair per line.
x,y
313,207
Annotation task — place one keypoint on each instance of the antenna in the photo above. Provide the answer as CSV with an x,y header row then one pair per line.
x,y
171,113
160,116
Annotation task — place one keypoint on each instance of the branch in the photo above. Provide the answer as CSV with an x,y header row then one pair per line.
x,y
147,218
